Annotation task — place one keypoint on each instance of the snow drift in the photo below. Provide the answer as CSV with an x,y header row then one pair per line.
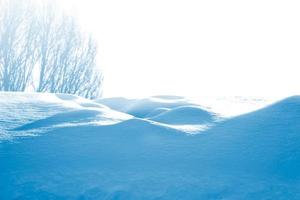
x,y
252,156
145,107
184,115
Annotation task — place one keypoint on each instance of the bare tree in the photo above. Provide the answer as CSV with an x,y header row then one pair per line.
x,y
67,57
18,33
42,40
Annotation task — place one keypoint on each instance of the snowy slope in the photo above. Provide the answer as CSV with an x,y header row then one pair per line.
x,y
267,139
251,156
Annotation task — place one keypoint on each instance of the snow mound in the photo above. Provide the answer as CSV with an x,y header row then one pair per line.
x,y
144,107
185,115
170,111
156,112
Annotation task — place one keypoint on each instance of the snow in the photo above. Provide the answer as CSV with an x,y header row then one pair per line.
x,y
184,115
146,106
121,148
231,106
32,109
228,106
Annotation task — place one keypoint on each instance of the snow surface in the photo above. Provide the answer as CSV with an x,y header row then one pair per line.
x,y
143,149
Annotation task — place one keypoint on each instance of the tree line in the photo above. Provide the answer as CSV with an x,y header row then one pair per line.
x,y
44,50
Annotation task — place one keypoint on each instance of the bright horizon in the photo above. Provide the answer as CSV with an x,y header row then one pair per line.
x,y
195,48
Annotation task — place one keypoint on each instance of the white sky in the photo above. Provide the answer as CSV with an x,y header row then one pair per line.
x,y
195,48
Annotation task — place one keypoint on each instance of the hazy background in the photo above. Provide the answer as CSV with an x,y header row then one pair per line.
x,y
195,48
